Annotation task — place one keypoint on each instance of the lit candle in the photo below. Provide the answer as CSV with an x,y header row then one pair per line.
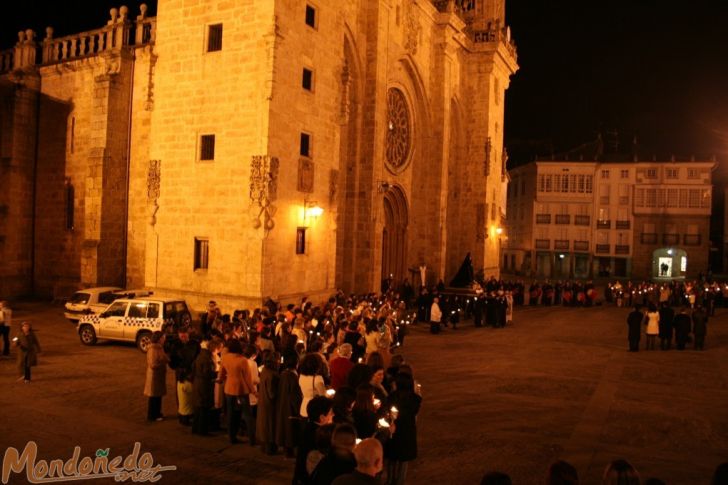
x,y
330,393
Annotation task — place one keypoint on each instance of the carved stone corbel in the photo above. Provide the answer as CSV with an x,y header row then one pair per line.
x,y
263,190
154,177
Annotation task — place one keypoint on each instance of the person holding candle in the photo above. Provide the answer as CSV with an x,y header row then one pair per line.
x,y
401,448
311,380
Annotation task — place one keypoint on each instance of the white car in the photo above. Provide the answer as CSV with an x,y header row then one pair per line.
x,y
95,300
134,320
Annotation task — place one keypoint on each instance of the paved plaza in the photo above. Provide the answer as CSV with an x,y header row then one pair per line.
x,y
558,384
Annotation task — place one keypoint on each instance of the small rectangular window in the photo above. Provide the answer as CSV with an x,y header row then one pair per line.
x,y
73,133
214,37
671,173
651,173
307,79
207,147
70,201
202,253
624,174
693,173
305,148
301,240
310,16
605,174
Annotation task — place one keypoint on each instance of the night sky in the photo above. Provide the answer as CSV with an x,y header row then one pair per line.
x,y
654,69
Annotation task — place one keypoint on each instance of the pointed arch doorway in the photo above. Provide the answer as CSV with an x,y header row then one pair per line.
x,y
394,235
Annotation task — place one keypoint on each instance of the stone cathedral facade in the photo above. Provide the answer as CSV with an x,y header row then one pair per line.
x,y
240,149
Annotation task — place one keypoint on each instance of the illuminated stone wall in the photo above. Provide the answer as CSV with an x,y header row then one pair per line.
x,y
123,110
198,93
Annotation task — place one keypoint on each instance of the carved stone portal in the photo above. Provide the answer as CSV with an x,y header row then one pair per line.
x,y
263,189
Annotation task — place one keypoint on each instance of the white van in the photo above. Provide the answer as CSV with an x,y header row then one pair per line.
x,y
89,301
94,300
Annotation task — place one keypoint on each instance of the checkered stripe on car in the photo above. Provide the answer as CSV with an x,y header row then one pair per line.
x,y
90,319
140,322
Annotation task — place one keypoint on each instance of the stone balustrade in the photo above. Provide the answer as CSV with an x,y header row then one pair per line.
x,y
495,34
119,32
466,10
6,60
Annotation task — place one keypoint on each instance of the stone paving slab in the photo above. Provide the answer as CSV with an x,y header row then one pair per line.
x,y
557,384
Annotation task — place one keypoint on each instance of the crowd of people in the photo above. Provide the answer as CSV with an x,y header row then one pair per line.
x,y
324,385
617,472
706,293
688,324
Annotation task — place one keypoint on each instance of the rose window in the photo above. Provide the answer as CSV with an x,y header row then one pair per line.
x,y
399,130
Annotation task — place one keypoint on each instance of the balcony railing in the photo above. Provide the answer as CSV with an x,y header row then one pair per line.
x,y
691,239
622,224
6,60
581,245
606,224
463,8
543,244
543,218
561,244
582,220
648,238
119,33
602,249
563,219
621,249
670,239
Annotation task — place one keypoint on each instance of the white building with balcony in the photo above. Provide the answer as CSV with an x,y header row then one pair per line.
x,y
583,219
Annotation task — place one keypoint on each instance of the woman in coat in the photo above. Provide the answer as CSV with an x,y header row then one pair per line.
x,y
203,388
267,392
653,327
288,405
156,383
404,404
28,350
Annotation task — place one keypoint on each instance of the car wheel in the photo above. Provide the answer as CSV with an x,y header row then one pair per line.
x,y
87,334
143,340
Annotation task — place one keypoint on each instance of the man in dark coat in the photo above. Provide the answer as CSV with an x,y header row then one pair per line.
x,y
182,355
478,309
700,320
340,459
667,315
634,324
288,405
267,394
682,328
203,389
320,412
